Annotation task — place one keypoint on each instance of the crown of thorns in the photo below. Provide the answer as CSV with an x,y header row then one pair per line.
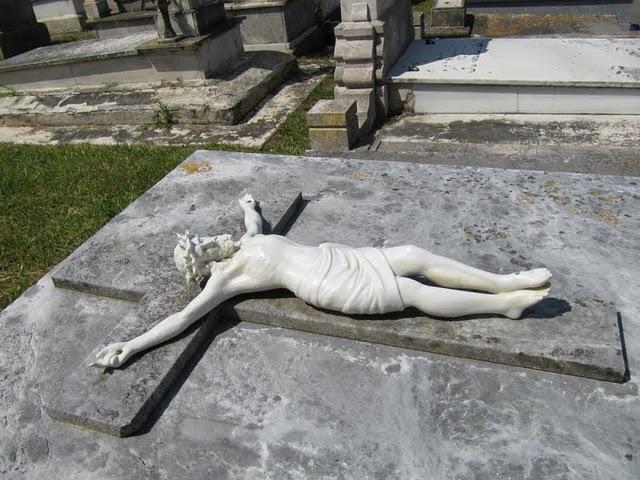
x,y
194,263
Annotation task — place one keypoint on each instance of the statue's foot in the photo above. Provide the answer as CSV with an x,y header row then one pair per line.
x,y
520,300
528,279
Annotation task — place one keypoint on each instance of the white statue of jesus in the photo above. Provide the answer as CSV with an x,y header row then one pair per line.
x,y
335,277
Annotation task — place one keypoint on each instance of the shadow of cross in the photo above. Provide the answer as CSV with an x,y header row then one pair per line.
x,y
137,265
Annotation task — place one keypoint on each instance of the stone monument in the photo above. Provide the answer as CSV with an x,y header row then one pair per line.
x,y
19,30
448,19
372,36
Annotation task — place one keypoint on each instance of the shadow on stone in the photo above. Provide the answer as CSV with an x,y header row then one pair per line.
x,y
627,373
550,307
223,323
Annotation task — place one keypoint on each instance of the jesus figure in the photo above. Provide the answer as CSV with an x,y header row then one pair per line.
x,y
331,276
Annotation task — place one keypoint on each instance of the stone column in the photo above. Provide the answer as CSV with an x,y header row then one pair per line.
x,y
19,30
372,36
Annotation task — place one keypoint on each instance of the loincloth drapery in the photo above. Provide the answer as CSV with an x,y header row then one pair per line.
x,y
351,280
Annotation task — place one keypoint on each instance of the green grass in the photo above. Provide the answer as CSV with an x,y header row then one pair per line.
x,y
55,197
422,6
73,37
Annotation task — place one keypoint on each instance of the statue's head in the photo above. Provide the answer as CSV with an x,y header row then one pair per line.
x,y
195,255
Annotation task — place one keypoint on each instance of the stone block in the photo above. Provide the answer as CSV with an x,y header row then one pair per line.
x,y
333,125
331,139
358,50
283,25
358,75
96,9
203,57
340,112
360,12
448,13
356,30
378,9
60,16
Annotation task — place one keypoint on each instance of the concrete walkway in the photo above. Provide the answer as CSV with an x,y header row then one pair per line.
x,y
601,144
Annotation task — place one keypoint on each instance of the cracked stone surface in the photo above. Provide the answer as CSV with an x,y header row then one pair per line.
x,y
264,402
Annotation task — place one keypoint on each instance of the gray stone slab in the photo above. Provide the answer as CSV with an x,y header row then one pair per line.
x,y
276,403
120,403
492,219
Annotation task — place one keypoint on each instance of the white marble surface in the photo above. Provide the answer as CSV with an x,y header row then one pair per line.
x,y
522,61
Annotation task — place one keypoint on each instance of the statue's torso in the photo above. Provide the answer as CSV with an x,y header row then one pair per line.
x,y
276,258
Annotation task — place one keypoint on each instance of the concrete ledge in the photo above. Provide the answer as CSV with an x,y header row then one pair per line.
x,y
434,32
307,41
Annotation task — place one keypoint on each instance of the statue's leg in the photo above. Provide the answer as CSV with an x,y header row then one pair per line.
x,y
445,302
409,260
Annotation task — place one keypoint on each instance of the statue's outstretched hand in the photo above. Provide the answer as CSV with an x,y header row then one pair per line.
x,y
247,200
112,356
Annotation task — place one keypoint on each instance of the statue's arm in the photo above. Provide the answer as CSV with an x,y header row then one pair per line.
x,y
252,219
215,292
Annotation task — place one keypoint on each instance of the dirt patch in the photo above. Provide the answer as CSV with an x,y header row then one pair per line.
x,y
192,168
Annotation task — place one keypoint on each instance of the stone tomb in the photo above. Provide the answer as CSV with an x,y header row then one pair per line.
x,y
283,25
498,220
131,59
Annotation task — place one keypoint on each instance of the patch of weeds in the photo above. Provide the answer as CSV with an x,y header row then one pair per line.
x,y
6,91
422,6
73,37
162,116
